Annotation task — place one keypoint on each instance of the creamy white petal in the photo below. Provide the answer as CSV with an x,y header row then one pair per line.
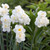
x,y
40,22
42,13
20,37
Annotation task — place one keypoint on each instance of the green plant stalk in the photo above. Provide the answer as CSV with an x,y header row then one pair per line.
x,y
21,46
11,41
32,42
15,46
2,40
7,39
0,34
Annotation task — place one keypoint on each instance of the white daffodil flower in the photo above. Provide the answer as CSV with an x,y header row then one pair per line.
x,y
5,6
6,27
18,28
19,9
6,19
20,37
24,19
6,22
40,22
20,16
42,13
20,33
14,18
4,12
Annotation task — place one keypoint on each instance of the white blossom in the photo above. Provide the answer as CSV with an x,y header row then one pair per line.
x,y
40,22
20,16
6,27
18,28
24,19
42,13
20,37
14,18
3,11
20,33
6,22
5,6
18,10
6,19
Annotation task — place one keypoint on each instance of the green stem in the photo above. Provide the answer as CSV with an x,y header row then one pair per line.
x,y
33,40
2,41
7,40
11,41
21,46
14,46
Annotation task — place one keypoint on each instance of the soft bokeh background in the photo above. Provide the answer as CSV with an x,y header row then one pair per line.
x,y
14,3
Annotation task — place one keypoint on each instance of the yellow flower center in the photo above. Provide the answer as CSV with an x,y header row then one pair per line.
x,y
14,17
5,6
42,13
18,10
20,35
19,29
5,26
5,20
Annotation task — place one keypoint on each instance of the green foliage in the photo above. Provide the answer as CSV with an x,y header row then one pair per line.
x,y
14,3
48,1
36,38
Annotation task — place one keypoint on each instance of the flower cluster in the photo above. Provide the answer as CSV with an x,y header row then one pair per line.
x,y
6,21
20,33
19,15
41,20
4,9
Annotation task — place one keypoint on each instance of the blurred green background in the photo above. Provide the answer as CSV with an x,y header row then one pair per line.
x,y
14,3
23,3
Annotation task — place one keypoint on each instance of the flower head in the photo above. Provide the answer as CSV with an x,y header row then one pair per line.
x,y
40,22
4,12
20,16
20,37
14,18
42,13
20,33
18,28
6,27
6,22
41,19
5,6
6,19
